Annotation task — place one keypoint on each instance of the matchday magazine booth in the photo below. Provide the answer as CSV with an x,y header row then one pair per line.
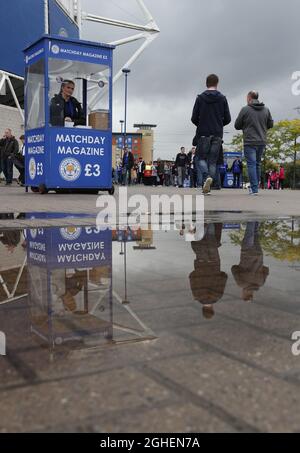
x,y
68,145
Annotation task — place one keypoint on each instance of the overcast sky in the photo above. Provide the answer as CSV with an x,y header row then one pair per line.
x,y
250,44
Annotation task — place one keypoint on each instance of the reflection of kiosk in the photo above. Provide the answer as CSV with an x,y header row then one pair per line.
x,y
229,158
70,284
68,147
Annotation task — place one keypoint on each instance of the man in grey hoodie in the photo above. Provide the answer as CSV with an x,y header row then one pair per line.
x,y
254,120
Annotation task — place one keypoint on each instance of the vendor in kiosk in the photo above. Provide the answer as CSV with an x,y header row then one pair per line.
x,y
65,108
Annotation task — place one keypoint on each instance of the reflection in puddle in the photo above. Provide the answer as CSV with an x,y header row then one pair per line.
x,y
70,293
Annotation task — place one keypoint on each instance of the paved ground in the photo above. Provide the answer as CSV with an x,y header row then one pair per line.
x,y
269,203
232,373
169,368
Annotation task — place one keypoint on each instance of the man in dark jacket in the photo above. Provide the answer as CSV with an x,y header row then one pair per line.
x,y
64,107
9,148
254,120
127,165
210,115
181,164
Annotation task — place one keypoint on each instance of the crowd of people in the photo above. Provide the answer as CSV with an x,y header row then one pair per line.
x,y
204,165
179,173
274,179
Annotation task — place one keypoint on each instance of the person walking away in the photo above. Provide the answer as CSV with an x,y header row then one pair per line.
x,y
281,177
210,114
237,170
254,120
141,169
181,164
127,165
9,150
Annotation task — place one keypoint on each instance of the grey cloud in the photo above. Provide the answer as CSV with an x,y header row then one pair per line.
x,y
249,43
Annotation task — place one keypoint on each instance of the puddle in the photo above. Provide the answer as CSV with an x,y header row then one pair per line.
x,y
132,316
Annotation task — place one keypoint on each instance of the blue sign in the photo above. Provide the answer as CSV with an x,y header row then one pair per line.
x,y
69,247
80,156
233,155
69,51
35,157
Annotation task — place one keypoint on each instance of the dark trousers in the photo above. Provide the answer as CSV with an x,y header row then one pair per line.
x,y
237,180
7,168
140,178
193,177
19,164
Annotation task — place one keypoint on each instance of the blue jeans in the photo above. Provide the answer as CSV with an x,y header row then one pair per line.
x,y
209,165
198,172
253,155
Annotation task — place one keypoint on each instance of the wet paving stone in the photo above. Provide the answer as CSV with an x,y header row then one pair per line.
x,y
151,331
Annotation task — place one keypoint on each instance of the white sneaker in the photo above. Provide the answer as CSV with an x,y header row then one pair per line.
x,y
207,184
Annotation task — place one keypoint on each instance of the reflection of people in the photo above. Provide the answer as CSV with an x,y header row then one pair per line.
x,y
64,107
10,238
250,274
207,280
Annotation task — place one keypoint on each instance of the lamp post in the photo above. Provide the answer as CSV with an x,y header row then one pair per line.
x,y
125,71
122,146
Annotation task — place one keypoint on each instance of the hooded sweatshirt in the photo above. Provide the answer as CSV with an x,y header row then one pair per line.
x,y
211,113
254,120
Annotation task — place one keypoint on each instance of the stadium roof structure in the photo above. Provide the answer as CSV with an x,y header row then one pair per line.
x,y
56,17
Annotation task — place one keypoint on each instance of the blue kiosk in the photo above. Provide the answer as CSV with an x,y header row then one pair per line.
x,y
228,181
68,145
70,284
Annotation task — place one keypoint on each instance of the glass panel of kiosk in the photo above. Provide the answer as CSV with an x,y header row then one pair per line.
x,y
73,88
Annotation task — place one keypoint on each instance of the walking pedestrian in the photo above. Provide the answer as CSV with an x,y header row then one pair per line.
x,y
181,164
210,115
254,120
127,165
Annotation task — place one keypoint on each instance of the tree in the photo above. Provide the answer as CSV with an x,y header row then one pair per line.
x,y
288,131
281,240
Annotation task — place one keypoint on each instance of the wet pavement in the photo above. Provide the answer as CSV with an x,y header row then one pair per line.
x,y
150,331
